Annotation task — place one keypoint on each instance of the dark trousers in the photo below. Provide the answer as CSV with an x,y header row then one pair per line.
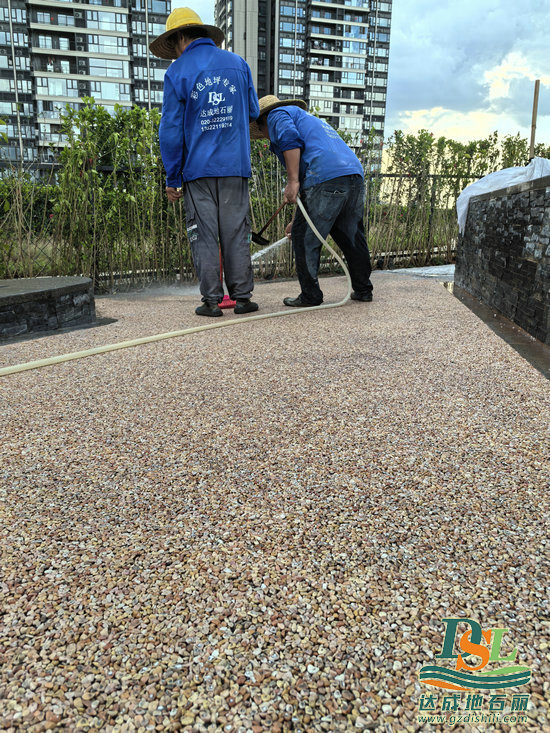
x,y
335,207
217,217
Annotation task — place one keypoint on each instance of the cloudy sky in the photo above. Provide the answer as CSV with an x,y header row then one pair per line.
x,y
463,68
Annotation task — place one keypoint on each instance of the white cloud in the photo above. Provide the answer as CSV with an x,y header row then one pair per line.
x,y
514,66
465,126
466,69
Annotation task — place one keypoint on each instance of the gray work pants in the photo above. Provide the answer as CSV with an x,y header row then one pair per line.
x,y
216,210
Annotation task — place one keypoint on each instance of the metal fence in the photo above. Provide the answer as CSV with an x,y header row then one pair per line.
x,y
410,221
127,239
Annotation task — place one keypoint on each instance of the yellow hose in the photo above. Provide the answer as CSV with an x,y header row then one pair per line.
x,y
173,334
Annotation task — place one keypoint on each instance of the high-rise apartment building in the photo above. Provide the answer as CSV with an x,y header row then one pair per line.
x,y
332,53
55,52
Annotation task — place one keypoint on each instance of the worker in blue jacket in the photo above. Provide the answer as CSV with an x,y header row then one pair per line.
x,y
209,100
330,180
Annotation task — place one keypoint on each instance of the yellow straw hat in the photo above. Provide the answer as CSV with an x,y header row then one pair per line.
x,y
180,18
268,103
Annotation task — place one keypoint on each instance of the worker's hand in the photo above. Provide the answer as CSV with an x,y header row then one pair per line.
x,y
288,229
291,192
173,193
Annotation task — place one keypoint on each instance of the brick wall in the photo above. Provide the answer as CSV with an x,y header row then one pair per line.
x,y
43,304
503,257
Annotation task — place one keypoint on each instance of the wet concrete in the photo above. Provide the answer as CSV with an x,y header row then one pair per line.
x,y
445,273
532,350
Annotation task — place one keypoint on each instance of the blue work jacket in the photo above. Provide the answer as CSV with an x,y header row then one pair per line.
x,y
324,155
209,101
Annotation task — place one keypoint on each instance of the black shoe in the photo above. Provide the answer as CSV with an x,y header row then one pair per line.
x,y
209,308
245,306
366,297
299,303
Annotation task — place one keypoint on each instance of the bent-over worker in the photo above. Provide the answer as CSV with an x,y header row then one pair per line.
x,y
330,180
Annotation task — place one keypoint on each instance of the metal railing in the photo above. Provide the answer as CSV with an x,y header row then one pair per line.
x,y
121,244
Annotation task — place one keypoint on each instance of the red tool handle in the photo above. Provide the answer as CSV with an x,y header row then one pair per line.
x,y
262,230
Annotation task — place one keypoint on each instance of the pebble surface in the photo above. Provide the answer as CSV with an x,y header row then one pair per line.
x,y
262,528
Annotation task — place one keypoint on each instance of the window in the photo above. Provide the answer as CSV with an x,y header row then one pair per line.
x,y
292,11
377,67
351,123
140,72
19,39
44,42
107,21
62,87
291,27
350,77
23,85
141,95
377,96
47,110
18,15
109,67
321,90
355,31
289,43
65,20
157,6
26,131
291,89
287,58
21,62
291,74
325,105
110,90
354,47
140,28
57,87
108,44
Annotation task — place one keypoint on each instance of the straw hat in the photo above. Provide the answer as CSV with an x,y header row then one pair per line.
x,y
268,103
180,18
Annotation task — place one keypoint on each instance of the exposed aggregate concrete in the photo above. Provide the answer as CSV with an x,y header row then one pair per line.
x,y
261,528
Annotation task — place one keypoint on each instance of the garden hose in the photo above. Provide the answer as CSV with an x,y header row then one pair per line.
x,y
196,329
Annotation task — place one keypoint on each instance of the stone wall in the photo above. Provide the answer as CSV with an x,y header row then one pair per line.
x,y
44,304
503,257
